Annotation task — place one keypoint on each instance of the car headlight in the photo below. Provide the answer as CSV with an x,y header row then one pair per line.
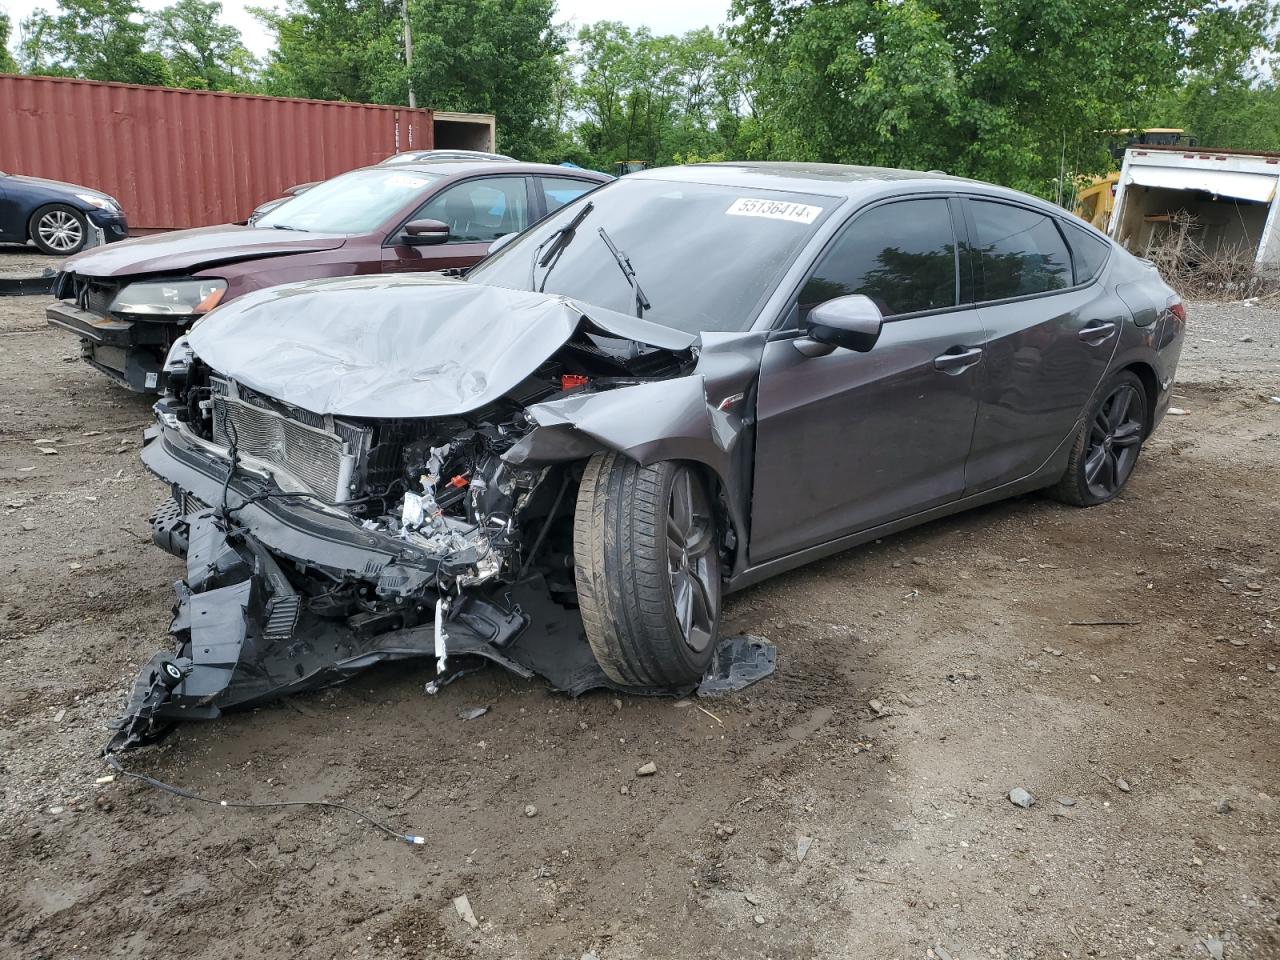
x,y
102,203
184,298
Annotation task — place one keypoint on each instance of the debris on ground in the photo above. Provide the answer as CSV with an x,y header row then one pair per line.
x,y
463,906
1223,806
1021,798
1123,785
472,713
802,848
530,810
647,769
737,663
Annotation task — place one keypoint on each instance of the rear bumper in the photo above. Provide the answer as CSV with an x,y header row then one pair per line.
x,y
130,352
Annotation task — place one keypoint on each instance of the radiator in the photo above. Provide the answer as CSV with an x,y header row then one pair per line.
x,y
324,455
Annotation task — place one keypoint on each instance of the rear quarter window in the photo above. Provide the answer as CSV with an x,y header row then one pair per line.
x,y
1089,253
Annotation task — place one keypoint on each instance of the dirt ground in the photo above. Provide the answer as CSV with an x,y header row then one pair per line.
x,y
1151,746
24,260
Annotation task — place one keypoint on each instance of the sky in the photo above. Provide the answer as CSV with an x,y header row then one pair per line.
x,y
660,16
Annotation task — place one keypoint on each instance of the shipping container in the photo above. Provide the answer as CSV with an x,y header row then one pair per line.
x,y
188,158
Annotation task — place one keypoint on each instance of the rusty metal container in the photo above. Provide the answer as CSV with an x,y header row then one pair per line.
x,y
189,158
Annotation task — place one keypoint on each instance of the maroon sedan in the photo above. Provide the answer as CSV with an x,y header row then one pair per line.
x,y
129,302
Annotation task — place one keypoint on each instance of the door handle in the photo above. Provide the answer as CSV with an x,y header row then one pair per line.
x,y
1095,333
957,359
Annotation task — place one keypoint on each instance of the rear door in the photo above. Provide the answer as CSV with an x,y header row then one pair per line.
x,y
1052,330
477,212
847,441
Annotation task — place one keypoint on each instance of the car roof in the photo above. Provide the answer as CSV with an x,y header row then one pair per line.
x,y
455,168
824,179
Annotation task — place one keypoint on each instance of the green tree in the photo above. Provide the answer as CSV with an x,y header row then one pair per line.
x,y
656,98
1229,96
7,63
486,56
1013,91
94,39
203,53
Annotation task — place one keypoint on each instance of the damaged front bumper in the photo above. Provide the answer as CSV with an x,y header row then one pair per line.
x,y
244,634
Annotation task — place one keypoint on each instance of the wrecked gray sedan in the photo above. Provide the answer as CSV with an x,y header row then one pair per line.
x,y
683,383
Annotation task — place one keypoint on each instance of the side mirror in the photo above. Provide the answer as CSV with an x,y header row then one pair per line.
x,y
853,322
424,233
501,242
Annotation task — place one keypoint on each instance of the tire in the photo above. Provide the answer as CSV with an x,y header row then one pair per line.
x,y
636,549
1104,454
58,229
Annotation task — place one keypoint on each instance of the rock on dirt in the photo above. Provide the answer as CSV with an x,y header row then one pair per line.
x,y
1021,798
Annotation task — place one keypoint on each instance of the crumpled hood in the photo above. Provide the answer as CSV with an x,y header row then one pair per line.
x,y
398,346
187,250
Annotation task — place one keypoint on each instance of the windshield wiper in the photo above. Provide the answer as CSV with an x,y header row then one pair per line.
x,y
624,264
555,245
285,226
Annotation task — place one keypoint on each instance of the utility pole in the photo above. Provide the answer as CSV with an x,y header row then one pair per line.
x,y
408,51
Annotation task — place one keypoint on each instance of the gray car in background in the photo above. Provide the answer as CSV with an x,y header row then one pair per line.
x,y
678,385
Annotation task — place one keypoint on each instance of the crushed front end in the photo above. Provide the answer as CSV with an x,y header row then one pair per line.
x,y
318,545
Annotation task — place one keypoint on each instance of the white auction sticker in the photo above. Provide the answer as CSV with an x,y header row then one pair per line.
x,y
773,209
406,182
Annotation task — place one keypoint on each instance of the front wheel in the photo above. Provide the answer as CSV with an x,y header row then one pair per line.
x,y
647,565
1108,445
59,230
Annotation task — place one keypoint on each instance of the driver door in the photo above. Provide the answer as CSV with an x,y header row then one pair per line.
x,y
848,441
477,212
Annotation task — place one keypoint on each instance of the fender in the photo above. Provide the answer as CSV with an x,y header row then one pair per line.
x,y
707,418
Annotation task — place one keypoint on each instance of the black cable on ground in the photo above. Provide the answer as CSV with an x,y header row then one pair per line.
x,y
253,804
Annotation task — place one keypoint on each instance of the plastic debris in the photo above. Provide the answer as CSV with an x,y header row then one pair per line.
x,y
802,848
463,906
473,713
647,769
737,663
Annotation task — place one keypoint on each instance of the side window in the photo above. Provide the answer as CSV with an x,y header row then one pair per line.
x,y
1019,252
902,255
1089,252
480,209
558,191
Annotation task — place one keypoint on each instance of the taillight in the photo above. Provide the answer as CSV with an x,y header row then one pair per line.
x,y
571,381
1176,307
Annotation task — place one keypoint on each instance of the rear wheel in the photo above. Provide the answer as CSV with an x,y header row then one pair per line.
x,y
647,565
1108,445
59,229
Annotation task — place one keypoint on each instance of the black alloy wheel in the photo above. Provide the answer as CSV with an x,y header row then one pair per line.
x,y
692,561
1115,437
1107,444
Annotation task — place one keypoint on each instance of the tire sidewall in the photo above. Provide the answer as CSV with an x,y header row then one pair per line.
x,y
34,234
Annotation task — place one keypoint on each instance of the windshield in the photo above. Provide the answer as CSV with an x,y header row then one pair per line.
x,y
706,256
354,202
